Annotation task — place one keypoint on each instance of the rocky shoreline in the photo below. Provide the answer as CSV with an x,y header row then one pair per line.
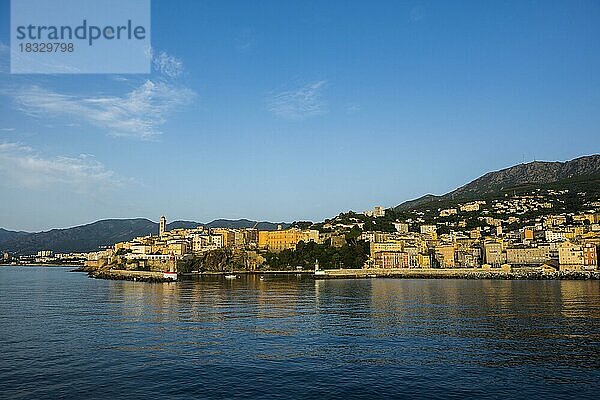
x,y
472,274
124,275
459,274
128,277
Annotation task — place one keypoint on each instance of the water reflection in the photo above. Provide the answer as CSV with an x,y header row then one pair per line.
x,y
293,336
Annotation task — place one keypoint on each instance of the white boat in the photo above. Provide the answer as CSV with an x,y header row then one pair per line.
x,y
230,276
170,275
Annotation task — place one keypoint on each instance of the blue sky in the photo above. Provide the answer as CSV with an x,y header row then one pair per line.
x,y
283,110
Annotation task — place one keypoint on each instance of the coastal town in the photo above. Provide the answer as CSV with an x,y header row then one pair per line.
x,y
519,232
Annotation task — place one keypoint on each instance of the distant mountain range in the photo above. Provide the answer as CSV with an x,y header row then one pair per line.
x,y
582,173
575,172
106,232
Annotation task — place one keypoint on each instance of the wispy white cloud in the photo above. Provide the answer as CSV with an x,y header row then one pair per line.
x,y
138,113
300,103
24,167
166,64
7,129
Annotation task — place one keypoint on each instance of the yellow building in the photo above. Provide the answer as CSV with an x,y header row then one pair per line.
x,y
389,247
475,233
527,255
574,232
528,234
425,229
444,254
177,248
591,217
227,234
570,256
285,239
122,245
424,260
493,251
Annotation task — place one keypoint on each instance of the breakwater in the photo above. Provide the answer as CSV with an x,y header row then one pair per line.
x,y
458,273
433,273
124,275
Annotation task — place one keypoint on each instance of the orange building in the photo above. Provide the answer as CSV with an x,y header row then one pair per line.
x,y
590,255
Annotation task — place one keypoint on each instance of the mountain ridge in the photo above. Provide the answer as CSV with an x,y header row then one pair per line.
x,y
535,172
106,232
90,237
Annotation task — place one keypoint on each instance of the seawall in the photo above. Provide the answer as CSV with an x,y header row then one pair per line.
x,y
455,273
125,275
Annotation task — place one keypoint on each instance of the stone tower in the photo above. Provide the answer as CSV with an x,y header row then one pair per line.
x,y
162,228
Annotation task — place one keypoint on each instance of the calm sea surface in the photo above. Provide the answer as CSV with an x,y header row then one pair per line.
x,y
64,335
